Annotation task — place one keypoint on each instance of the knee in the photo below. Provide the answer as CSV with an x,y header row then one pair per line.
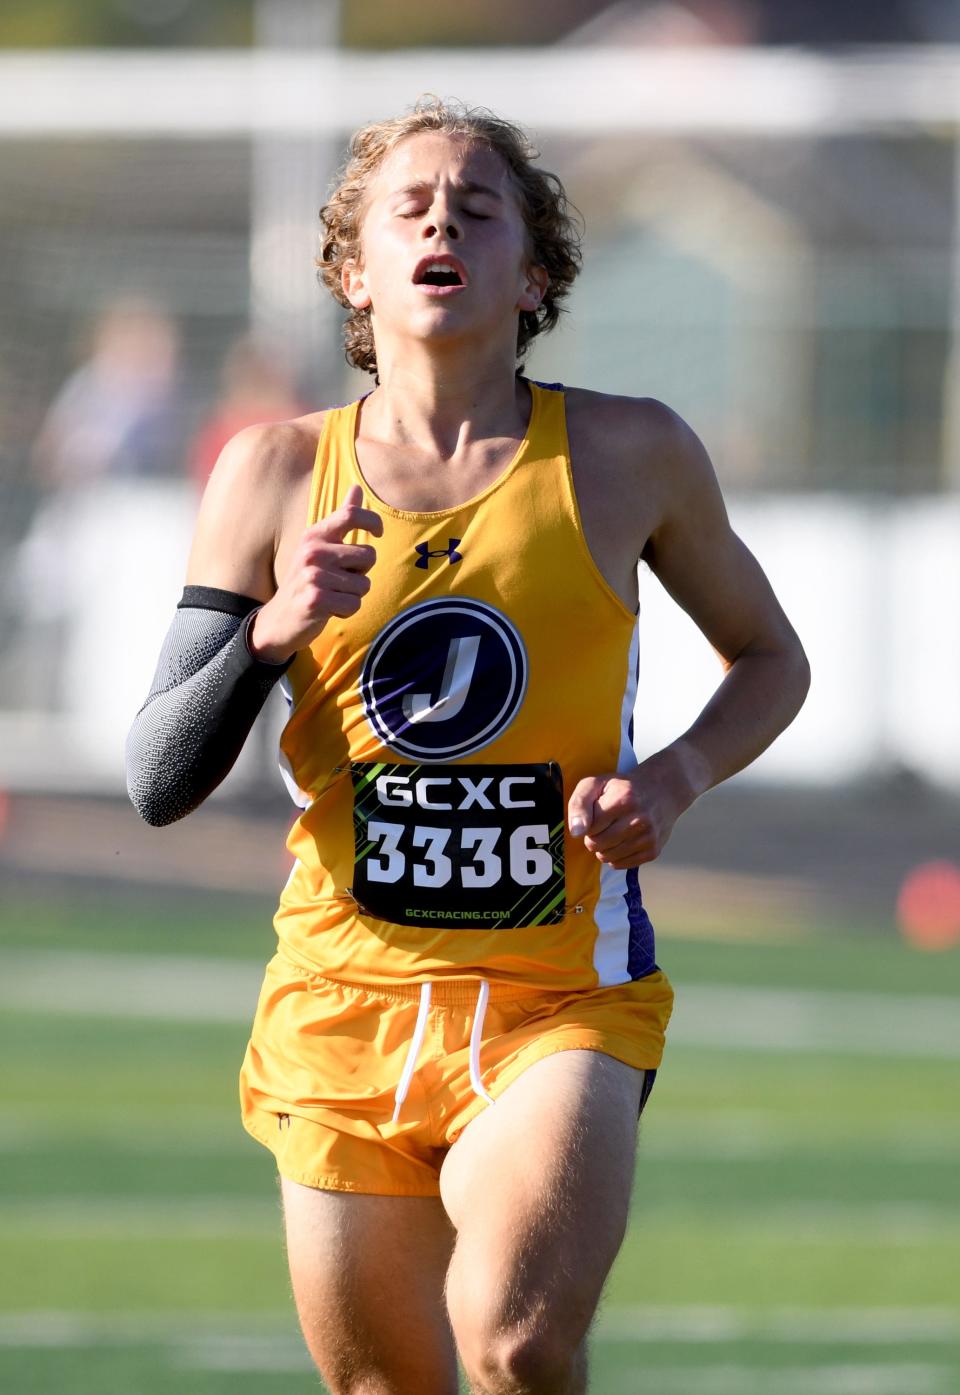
x,y
525,1362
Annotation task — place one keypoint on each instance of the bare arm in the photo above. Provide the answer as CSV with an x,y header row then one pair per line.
x,y
208,686
213,678
241,514
710,573
719,583
238,539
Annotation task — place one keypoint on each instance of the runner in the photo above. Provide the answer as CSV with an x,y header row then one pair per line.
x,y
464,1016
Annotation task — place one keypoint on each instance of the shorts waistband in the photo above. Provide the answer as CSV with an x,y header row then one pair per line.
x,y
444,992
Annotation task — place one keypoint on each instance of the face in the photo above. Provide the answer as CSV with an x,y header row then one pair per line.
x,y
444,248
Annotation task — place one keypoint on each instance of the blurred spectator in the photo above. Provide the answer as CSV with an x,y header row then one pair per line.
x,y
257,387
114,427
118,414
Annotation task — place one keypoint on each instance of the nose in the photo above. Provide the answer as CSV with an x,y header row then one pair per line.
x,y
441,221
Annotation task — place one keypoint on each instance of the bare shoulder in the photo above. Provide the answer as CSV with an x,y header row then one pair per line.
x,y
267,459
256,494
654,463
636,464
634,433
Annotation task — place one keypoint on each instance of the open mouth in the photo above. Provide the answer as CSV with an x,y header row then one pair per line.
x,y
439,275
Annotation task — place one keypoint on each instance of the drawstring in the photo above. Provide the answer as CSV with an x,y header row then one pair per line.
x,y
410,1064
476,1032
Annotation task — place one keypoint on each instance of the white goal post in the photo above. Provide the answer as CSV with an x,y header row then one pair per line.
x,y
561,89
556,89
321,93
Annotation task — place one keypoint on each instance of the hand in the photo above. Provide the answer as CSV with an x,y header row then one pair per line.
x,y
626,820
326,577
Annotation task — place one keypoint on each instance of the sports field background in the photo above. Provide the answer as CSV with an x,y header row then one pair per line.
x,y
795,1229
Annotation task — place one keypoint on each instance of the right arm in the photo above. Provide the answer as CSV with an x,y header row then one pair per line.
x,y
235,631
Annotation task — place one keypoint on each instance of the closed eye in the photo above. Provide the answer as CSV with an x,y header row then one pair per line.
x,y
418,212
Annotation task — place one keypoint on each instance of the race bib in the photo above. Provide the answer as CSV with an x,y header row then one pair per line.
x,y
470,847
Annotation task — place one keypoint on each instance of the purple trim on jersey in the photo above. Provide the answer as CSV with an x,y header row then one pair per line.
x,y
641,950
640,946
551,387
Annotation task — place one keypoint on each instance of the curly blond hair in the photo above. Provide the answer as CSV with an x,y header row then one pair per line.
x,y
553,225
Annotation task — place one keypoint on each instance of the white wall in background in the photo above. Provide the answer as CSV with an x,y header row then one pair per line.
x,y
873,587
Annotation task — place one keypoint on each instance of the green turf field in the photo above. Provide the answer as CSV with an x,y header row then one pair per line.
x,y
796,1225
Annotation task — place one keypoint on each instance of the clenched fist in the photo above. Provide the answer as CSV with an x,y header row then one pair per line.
x,y
326,577
625,820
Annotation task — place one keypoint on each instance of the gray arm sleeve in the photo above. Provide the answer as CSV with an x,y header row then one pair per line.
x,y
205,697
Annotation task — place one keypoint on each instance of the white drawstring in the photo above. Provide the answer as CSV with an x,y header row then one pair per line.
x,y
415,1045
476,1033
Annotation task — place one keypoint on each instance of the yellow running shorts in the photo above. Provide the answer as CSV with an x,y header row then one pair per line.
x,y
364,1088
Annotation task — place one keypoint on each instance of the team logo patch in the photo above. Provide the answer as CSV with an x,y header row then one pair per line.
x,y
444,678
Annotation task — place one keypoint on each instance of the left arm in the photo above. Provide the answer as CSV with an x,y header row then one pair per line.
x,y
703,565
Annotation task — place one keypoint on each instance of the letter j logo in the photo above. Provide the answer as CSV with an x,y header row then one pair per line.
x,y
444,678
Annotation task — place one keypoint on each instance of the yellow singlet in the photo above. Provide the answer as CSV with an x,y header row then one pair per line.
x,y
435,737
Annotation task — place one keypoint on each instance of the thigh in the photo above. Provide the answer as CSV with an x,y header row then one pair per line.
x,y
368,1275
538,1187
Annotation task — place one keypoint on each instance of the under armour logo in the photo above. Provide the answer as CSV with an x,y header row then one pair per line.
x,y
449,551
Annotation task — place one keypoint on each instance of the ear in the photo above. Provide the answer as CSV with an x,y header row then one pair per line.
x,y
353,281
535,288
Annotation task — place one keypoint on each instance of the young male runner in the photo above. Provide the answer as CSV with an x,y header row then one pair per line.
x,y
464,1016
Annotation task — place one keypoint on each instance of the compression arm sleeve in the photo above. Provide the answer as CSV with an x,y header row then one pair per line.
x,y
205,696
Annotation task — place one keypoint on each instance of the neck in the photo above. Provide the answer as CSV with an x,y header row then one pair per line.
x,y
441,407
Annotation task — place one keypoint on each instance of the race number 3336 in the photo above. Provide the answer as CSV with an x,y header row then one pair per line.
x,y
470,847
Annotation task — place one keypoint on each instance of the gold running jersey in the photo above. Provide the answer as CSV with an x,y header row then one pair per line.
x,y
435,737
